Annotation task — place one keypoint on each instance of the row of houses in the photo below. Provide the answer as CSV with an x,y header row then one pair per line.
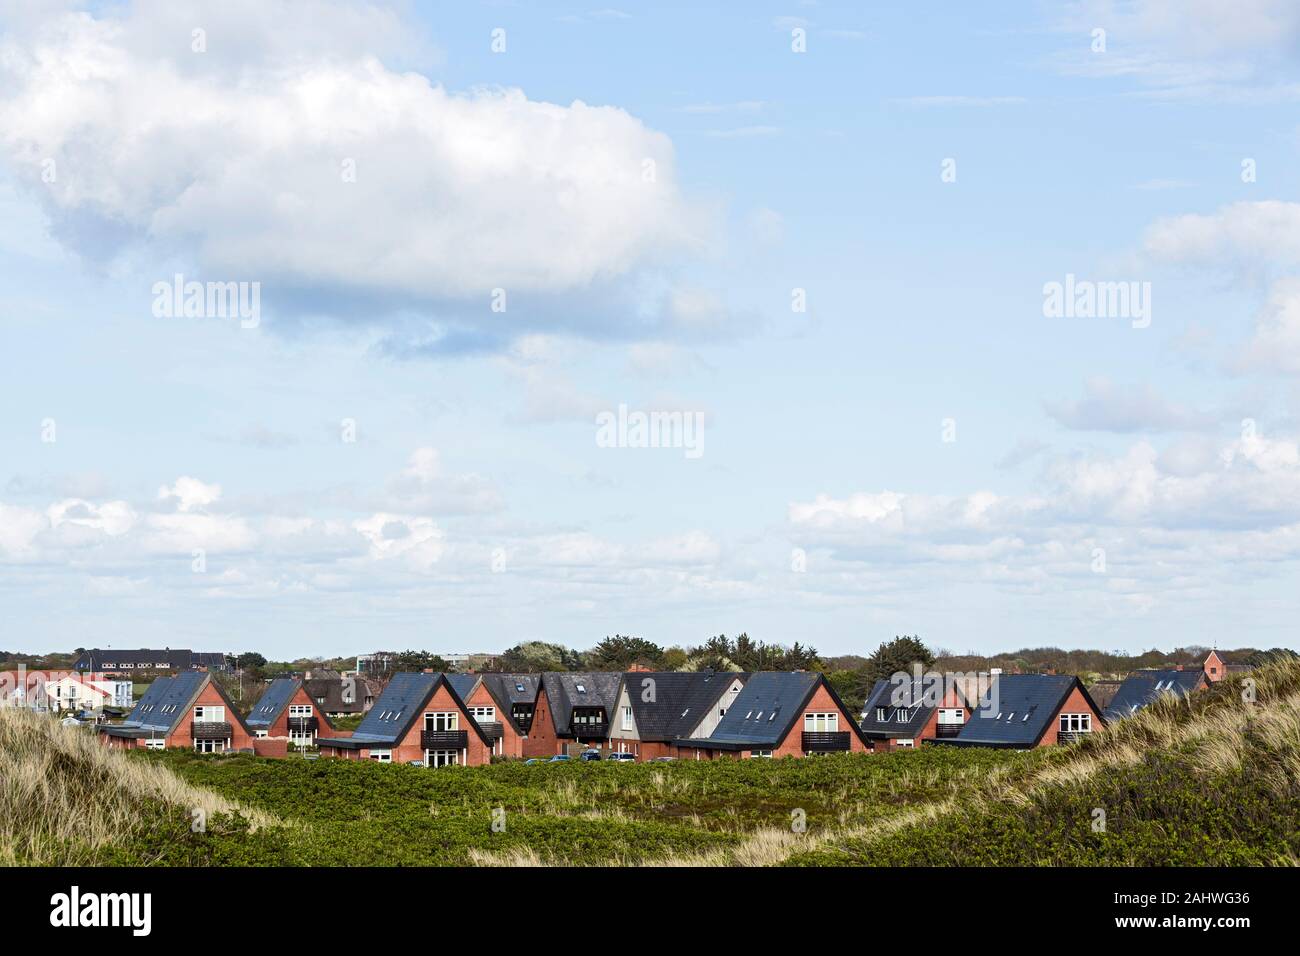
x,y
438,719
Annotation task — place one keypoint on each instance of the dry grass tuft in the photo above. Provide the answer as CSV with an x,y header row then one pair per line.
x,y
63,795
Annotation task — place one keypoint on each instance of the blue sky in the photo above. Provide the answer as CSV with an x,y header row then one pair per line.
x,y
1106,485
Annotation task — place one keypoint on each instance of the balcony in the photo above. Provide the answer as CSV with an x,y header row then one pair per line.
x,y
444,739
491,730
303,725
828,741
589,731
945,731
1071,736
210,730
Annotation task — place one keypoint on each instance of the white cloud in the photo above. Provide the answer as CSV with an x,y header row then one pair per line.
x,y
1241,234
189,493
454,194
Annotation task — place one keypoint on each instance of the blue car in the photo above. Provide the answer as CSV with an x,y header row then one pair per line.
x,y
558,757
589,755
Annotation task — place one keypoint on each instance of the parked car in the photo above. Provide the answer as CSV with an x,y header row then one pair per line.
x,y
532,760
661,759
631,758
558,757
589,755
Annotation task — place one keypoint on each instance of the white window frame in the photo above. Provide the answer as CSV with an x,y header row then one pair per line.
x,y
821,722
202,715
627,716
442,758
486,715
1075,724
155,743
443,720
952,715
381,756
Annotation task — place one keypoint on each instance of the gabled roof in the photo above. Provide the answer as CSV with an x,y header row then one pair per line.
x,y
1145,687
463,684
272,702
764,712
681,699
1026,706
567,690
912,694
167,700
510,689
179,659
397,708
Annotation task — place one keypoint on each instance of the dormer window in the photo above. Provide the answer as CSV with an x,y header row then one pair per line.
x,y
582,688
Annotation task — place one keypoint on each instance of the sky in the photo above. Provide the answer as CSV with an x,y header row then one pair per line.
x,y
821,238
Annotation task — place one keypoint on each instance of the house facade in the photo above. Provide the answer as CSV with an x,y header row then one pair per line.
x,y
779,714
502,705
188,711
285,711
654,709
419,718
903,715
1023,711
573,712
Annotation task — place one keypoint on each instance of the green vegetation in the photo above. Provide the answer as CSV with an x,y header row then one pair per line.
x,y
1211,781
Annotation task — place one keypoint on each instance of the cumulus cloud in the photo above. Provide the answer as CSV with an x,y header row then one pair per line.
x,y
339,183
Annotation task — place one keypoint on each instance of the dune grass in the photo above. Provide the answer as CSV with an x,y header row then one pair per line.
x,y
66,800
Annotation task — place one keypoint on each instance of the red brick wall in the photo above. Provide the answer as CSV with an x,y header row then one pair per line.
x,y
542,740
280,726
823,703
180,735
408,748
1076,703
511,742
271,748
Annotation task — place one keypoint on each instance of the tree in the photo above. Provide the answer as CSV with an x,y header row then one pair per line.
x,y
250,659
621,652
900,654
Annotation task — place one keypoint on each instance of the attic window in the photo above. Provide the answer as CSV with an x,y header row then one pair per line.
x,y
749,715
771,717
686,711
1011,716
760,716
582,688
519,686
1024,718
881,715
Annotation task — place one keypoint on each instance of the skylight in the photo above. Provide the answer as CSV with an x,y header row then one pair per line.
x,y
582,688
519,686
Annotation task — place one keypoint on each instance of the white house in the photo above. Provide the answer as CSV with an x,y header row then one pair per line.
x,y
76,693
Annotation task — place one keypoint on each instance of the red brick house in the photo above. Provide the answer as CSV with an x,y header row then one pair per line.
x,y
1023,711
902,715
188,711
573,712
419,718
655,708
285,711
779,714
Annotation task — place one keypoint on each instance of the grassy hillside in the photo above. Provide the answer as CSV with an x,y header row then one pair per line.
x,y
1214,781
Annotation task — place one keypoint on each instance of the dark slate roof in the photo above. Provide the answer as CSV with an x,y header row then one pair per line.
x,y
95,659
165,702
882,695
600,690
272,702
764,712
1026,706
681,699
463,684
510,689
397,708
912,694
1144,687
